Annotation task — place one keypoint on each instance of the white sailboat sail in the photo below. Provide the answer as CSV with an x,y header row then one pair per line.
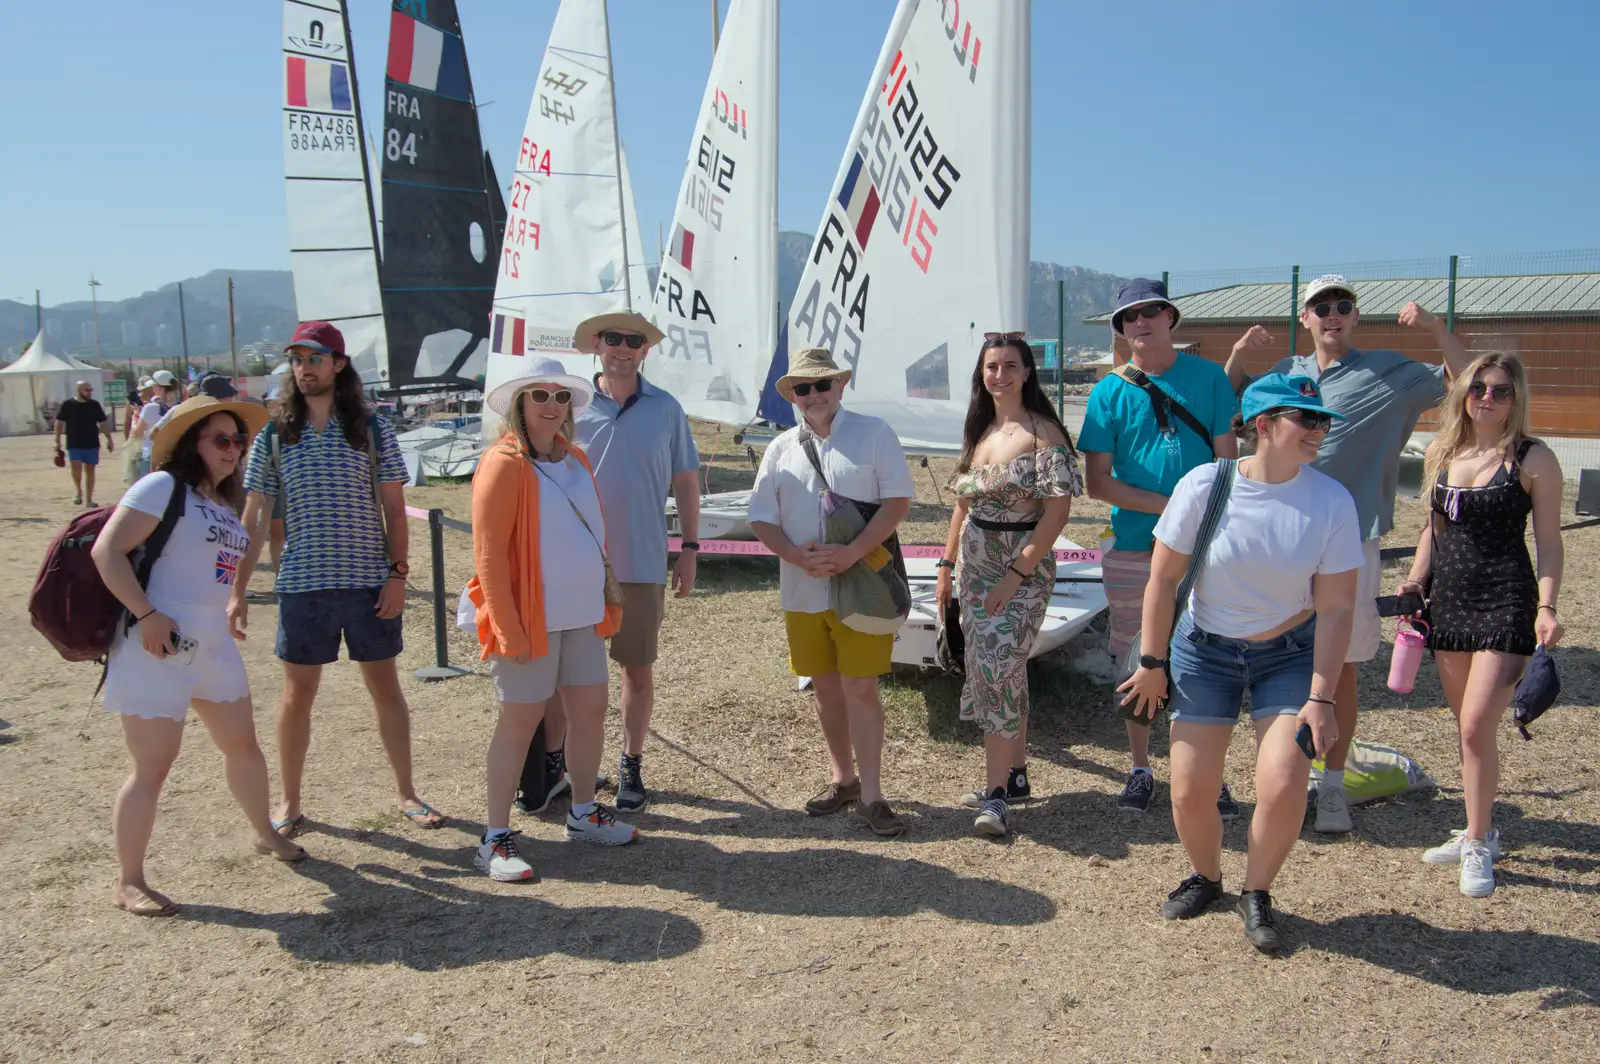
x,y
638,265
923,246
717,291
564,257
333,242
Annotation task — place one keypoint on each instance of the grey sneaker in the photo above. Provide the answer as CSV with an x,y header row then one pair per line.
x,y
600,825
1333,812
1449,853
1136,795
631,795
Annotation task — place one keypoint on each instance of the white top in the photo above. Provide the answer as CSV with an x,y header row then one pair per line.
x,y
149,414
198,566
1272,540
570,561
864,462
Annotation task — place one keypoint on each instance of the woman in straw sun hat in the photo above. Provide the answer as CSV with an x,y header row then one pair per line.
x,y
543,610
176,652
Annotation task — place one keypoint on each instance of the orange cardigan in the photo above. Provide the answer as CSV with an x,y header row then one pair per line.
x,y
508,588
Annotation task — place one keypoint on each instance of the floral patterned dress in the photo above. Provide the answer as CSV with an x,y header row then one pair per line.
x,y
996,690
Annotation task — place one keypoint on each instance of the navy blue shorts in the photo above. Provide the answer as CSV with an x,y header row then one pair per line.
x,y
310,624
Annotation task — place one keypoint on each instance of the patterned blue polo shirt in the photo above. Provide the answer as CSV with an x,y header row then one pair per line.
x,y
334,532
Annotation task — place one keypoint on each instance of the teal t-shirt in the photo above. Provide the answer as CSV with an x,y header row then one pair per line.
x,y
1120,422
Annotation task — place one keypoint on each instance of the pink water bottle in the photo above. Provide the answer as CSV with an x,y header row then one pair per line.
x,y
1408,646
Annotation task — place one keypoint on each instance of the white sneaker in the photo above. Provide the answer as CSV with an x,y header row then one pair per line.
x,y
602,826
499,857
1333,812
1477,869
1450,853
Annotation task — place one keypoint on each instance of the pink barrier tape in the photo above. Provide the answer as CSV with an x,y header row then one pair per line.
x,y
420,515
750,547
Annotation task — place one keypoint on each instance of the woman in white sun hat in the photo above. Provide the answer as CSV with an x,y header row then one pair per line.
x,y
543,611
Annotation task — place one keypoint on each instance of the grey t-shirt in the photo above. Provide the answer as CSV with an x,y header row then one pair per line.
x,y
1381,394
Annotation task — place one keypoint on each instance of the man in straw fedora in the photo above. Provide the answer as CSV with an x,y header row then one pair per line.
x,y
863,460
637,437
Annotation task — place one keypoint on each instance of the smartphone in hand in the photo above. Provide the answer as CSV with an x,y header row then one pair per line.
x,y
1399,605
1302,739
183,648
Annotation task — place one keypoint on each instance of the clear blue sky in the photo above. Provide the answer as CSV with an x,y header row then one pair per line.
x,y
141,140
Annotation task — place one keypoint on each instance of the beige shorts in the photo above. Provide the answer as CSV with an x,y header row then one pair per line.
x,y
575,658
1126,573
1366,630
643,609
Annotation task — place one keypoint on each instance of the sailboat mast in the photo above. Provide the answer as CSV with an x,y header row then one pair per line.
x,y
361,138
483,161
616,147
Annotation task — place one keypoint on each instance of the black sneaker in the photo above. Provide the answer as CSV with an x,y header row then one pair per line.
x,y
534,804
1193,897
1227,808
1017,790
991,818
1260,925
631,795
1136,794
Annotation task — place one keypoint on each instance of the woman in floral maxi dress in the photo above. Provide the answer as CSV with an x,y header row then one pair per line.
x,y
1014,486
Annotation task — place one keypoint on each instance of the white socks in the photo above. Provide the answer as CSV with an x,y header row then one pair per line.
x,y
1333,779
583,810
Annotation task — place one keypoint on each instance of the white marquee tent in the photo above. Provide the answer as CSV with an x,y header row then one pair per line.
x,y
41,378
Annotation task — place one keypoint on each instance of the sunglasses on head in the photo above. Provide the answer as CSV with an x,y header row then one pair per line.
x,y
995,339
820,386
1342,307
1497,393
1149,310
306,360
616,339
1310,420
543,395
224,441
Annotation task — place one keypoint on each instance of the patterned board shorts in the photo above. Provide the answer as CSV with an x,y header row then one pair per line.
x,y
1126,572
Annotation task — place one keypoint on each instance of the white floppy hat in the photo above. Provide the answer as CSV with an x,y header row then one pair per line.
x,y
541,369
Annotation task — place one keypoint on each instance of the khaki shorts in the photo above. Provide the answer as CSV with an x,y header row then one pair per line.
x,y
643,608
576,658
1125,572
1366,630
819,643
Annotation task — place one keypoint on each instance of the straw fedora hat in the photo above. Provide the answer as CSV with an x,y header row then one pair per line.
x,y
170,429
586,335
541,369
810,364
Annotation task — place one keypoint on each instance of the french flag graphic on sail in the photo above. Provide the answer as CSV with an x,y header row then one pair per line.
x,y
318,85
860,201
509,335
682,250
426,57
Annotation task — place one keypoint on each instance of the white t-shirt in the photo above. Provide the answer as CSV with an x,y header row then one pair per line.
x,y
1272,540
864,461
149,414
200,562
570,562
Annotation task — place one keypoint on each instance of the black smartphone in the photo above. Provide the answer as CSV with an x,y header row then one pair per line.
x,y
1302,738
1399,605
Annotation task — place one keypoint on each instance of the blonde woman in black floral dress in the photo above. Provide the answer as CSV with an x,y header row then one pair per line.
x,y
1488,607
1014,488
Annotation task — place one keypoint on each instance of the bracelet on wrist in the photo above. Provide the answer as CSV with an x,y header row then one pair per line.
x,y
1548,606
944,563
1019,572
1321,701
152,613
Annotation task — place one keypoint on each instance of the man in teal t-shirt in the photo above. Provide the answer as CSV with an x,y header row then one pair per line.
x,y
1136,452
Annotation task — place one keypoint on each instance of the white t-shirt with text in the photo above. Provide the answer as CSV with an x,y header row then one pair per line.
x,y
200,563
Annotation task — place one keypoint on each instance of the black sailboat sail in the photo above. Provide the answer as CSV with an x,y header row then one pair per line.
x,y
441,242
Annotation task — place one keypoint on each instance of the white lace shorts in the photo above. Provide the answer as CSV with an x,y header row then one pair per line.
x,y
139,685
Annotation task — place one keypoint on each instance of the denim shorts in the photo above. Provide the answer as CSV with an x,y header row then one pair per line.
x,y
310,624
1210,673
86,455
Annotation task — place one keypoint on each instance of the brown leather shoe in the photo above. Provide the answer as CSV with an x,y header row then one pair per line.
x,y
833,797
881,819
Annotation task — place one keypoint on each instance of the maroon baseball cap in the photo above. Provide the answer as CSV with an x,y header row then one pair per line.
x,y
319,336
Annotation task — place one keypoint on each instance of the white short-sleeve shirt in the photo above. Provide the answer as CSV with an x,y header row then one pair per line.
x,y
863,460
200,563
1272,540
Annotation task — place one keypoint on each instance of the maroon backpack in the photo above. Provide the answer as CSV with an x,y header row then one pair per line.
x,y
70,605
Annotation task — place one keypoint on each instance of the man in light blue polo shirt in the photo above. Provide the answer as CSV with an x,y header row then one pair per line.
x,y
1380,394
638,442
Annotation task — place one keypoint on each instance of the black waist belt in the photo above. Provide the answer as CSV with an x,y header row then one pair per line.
x,y
1004,526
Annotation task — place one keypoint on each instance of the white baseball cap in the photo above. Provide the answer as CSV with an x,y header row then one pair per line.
x,y
163,378
1329,282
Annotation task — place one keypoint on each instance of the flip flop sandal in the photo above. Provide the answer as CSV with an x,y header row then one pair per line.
x,y
420,817
268,851
150,908
294,824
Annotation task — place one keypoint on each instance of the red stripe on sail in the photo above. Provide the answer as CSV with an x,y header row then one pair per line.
x,y
402,46
297,81
869,213
518,333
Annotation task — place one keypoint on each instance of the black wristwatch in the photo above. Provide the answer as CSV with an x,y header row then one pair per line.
x,y
690,544
400,569
1147,661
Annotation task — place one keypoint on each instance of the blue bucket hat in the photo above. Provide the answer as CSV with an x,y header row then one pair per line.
x,y
1138,292
1273,391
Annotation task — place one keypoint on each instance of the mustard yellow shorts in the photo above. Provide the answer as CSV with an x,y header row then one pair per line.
x,y
819,644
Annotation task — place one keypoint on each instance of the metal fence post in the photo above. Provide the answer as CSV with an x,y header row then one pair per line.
x,y
1165,285
1294,309
1450,314
441,669
1061,347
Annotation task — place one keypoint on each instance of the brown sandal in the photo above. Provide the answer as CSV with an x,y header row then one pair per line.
x,y
149,906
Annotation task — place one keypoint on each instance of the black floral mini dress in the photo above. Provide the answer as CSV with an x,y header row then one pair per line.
x,y
1483,594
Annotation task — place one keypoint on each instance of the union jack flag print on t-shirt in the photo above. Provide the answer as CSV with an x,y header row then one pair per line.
x,y
227,566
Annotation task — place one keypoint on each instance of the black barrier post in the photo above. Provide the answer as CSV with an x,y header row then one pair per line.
x,y
441,669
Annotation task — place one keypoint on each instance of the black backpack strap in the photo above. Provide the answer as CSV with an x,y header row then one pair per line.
x,y
1160,401
152,548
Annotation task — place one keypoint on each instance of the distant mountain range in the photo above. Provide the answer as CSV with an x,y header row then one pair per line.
x,y
149,326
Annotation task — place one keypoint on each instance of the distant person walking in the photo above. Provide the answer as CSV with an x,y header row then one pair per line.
x,y
1014,488
164,397
540,544
176,652
1380,394
1269,614
145,392
344,570
84,420
1159,415
1488,606
862,460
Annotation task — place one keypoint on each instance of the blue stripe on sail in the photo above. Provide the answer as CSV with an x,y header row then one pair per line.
x,y
774,407
499,333
850,183
453,69
339,88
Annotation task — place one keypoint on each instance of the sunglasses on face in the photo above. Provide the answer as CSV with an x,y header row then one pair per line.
x,y
223,441
1309,420
1149,310
820,386
1498,393
544,395
313,361
616,339
1342,308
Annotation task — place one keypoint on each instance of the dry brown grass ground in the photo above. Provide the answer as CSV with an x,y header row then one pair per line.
x,y
739,929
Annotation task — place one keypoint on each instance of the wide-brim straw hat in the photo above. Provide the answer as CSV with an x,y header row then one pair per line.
x,y
810,364
170,429
541,369
585,335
